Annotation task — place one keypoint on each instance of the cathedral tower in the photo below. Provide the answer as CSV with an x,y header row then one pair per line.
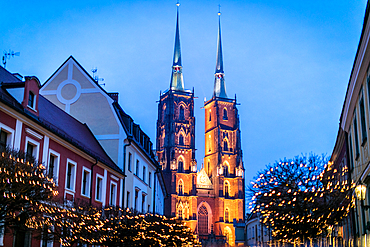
x,y
176,141
223,155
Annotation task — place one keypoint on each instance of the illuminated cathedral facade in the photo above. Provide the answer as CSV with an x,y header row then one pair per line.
x,y
210,201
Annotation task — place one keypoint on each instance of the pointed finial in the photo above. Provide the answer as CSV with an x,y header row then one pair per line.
x,y
219,87
177,82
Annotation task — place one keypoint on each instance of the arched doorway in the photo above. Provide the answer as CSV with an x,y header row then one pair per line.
x,y
203,220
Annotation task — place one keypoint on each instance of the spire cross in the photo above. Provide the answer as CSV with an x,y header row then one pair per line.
x,y
219,9
178,4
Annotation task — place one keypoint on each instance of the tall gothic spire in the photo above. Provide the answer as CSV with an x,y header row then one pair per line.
x,y
220,87
177,81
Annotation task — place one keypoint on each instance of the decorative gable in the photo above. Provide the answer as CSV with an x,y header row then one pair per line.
x,y
203,180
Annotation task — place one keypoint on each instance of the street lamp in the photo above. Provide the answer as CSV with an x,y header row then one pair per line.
x,y
360,191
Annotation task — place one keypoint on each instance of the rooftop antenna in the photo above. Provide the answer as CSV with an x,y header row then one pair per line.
x,y
8,55
96,77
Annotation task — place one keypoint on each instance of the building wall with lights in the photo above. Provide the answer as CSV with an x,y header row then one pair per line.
x,y
350,160
83,172
74,91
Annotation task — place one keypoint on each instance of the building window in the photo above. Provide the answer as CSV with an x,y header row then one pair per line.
x,y
350,150
53,166
31,100
181,113
181,140
227,215
71,175
136,198
227,189
209,143
129,161
363,121
128,199
150,179
210,116
179,212
226,170
144,173
143,203
137,167
32,148
180,166
226,147
356,137
225,114
99,188
85,186
113,193
3,139
181,187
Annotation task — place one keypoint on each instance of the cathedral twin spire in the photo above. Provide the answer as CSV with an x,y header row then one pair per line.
x,y
177,81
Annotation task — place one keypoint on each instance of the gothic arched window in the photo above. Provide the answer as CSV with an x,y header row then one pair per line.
x,y
227,189
203,220
227,219
210,116
180,166
226,146
181,186
179,212
225,114
181,139
181,113
226,170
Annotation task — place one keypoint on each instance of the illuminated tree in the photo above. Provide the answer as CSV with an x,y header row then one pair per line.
x,y
114,226
23,189
300,198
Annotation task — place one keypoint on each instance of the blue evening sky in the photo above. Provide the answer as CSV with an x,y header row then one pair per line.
x,y
289,62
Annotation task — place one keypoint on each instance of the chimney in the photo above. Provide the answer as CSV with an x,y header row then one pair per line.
x,y
114,96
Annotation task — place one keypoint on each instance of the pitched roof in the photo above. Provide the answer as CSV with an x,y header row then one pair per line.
x,y
57,121
7,77
72,130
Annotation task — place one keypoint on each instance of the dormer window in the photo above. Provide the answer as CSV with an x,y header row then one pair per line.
x,y
31,100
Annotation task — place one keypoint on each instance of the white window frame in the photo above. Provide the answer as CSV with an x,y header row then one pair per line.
x,y
88,182
73,175
56,165
98,176
114,201
34,143
10,131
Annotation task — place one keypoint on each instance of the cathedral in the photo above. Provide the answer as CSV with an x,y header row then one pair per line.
x,y
210,201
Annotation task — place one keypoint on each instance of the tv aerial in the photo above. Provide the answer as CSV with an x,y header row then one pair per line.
x,y
96,77
8,55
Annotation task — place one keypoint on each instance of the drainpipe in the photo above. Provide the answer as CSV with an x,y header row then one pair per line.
x,y
154,189
91,179
124,169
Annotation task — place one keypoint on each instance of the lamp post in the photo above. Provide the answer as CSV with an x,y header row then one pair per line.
x,y
360,191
